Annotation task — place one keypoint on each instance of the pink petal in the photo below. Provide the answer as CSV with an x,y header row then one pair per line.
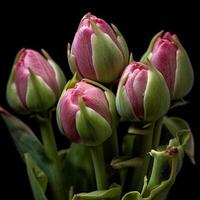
x,y
164,59
135,87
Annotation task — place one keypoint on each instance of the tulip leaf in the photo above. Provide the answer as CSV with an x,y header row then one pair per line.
x,y
135,130
124,162
113,193
177,103
163,174
180,128
25,140
37,178
78,168
132,196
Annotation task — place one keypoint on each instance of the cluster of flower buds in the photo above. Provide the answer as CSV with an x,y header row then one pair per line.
x,y
100,53
88,112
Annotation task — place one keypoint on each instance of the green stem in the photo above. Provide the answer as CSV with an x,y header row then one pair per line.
x,y
156,140
56,182
48,139
99,167
157,133
138,173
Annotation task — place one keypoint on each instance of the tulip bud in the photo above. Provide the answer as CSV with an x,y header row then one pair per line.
x,y
85,113
142,93
98,51
168,55
35,82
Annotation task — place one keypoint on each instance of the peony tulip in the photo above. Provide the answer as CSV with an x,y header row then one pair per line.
x,y
85,113
142,93
98,51
35,83
168,55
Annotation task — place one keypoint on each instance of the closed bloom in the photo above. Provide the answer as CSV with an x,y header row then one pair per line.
x,y
142,93
35,82
85,113
98,51
170,58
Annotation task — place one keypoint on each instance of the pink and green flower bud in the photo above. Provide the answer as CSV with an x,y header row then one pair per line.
x,y
86,113
98,51
168,55
35,83
142,93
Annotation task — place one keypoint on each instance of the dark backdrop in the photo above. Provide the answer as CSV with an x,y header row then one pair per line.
x,y
51,26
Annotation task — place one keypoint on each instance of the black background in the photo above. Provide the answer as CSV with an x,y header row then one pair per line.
x,y
51,26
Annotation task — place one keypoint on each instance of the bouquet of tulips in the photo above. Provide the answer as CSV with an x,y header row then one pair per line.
x,y
113,111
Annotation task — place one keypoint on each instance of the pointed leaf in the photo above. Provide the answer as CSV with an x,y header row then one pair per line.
x,y
37,178
179,128
113,193
78,169
25,140
124,162
132,196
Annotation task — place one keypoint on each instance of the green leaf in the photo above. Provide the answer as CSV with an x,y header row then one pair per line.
x,y
124,162
137,130
37,178
159,185
25,140
78,168
179,128
132,196
113,193
177,103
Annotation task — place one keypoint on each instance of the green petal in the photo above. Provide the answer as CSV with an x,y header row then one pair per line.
x,y
184,73
91,126
39,96
122,43
156,97
123,105
107,58
60,77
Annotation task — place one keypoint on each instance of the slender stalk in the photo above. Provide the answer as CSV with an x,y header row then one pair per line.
x,y
156,140
56,182
48,139
157,133
99,167
138,173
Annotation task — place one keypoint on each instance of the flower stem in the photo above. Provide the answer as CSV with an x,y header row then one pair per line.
x,y
156,140
138,173
48,139
157,133
56,182
99,166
